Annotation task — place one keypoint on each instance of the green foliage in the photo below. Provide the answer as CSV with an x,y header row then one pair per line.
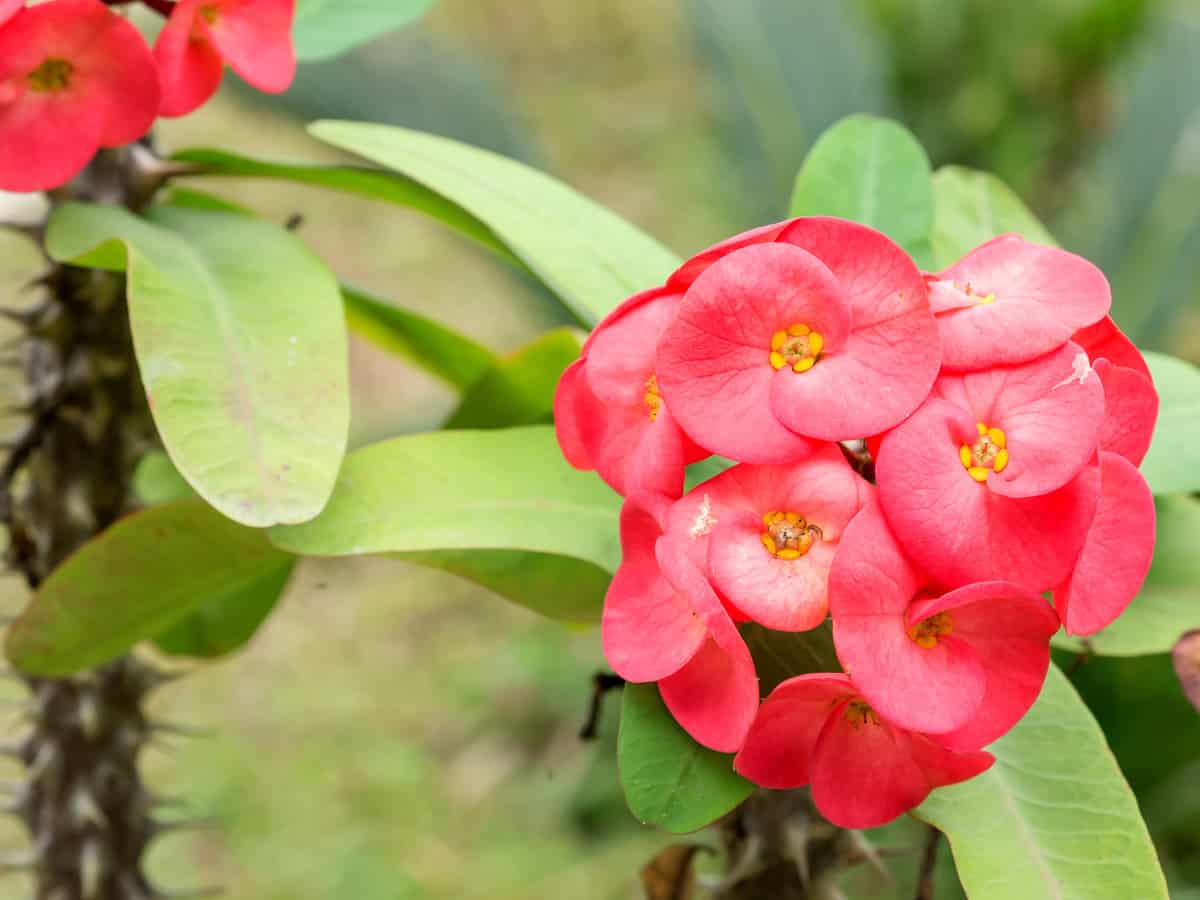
x,y
872,171
1173,463
328,28
156,480
476,492
588,256
241,344
972,207
519,389
1169,602
139,578
1053,819
670,781
451,356
780,655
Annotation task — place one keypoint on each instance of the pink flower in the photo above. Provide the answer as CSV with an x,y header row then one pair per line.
x,y
681,279
864,770
1131,402
767,535
982,483
608,412
962,665
1116,553
253,36
662,622
1009,301
74,77
823,333
8,9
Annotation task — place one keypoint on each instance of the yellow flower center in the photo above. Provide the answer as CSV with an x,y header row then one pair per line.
x,y
859,713
988,454
209,13
51,76
652,398
925,633
797,346
788,535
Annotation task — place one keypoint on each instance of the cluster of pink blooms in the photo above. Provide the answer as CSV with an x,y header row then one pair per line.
x,y
1005,416
75,75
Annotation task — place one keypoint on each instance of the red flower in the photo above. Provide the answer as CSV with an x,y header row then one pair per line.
x,y
983,482
662,622
1009,301
608,412
774,337
1131,402
767,535
864,770
8,9
253,36
74,77
963,665
1116,553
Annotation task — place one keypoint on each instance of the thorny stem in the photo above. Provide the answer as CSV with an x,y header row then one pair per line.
x,y
933,837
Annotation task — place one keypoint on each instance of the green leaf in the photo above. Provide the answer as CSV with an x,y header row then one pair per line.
x,y
519,389
1169,602
156,480
669,780
588,256
453,357
363,182
873,171
227,621
972,207
1053,819
135,580
501,508
1173,463
780,655
240,339
327,28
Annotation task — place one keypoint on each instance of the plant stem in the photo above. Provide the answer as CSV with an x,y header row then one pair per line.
x,y
933,837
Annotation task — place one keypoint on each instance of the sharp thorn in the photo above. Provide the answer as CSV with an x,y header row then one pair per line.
x,y
177,730
194,894
158,828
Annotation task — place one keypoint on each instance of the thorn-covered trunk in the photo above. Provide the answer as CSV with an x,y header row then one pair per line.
x,y
67,478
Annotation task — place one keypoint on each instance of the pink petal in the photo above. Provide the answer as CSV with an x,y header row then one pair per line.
x,y
620,358
189,64
1185,656
1051,419
119,60
1105,340
779,746
1042,296
682,277
714,362
1116,555
577,417
9,8
870,575
1130,411
1008,630
255,38
960,531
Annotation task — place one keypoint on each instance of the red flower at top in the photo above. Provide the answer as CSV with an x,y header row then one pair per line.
x,y
786,325
253,36
74,77
8,9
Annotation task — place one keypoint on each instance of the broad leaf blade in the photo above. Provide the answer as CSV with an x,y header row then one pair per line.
x,y
971,207
519,389
1053,819
590,257
453,357
156,480
873,171
135,580
1173,463
324,29
1169,602
669,780
240,340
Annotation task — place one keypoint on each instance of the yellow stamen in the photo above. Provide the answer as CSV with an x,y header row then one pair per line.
x,y
777,360
769,543
981,428
997,437
988,454
796,346
816,344
652,398
51,76
804,365
979,473
798,330
964,453
858,713
788,535
778,339
788,554
925,633
1000,462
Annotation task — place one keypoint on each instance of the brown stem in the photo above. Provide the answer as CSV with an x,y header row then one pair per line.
x,y
602,683
928,863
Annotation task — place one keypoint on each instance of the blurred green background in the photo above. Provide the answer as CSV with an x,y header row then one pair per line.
x,y
396,733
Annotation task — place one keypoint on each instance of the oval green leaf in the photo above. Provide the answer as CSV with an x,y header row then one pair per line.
x,y
519,389
324,29
873,171
241,342
669,780
971,207
1168,603
1173,463
587,255
1053,819
137,579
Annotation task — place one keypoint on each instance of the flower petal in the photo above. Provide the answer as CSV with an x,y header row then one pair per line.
x,y
682,277
189,65
1105,340
256,40
1130,411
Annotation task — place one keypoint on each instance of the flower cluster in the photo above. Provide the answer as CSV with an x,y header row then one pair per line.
x,y
75,75
924,458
